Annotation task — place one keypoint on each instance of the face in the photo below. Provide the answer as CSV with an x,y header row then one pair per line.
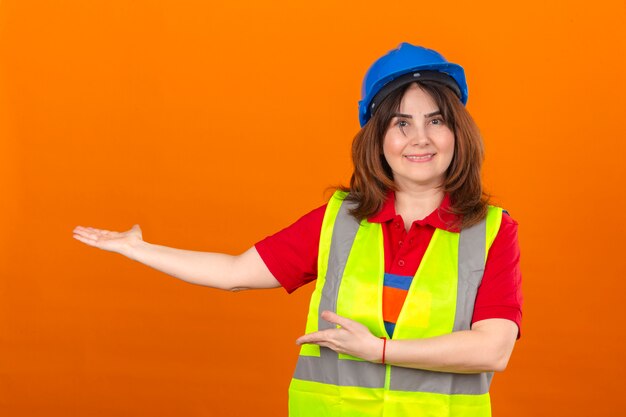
x,y
418,145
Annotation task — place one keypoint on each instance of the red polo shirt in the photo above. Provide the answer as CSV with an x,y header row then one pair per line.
x,y
291,256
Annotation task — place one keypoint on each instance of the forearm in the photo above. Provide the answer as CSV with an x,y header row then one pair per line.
x,y
468,351
202,268
217,270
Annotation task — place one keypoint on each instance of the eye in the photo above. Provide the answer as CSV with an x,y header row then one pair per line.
x,y
438,121
401,125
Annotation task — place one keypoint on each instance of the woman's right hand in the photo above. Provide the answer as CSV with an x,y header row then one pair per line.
x,y
120,242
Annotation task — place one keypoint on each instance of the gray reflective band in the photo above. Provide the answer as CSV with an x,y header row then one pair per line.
x,y
472,247
329,369
418,380
343,372
344,232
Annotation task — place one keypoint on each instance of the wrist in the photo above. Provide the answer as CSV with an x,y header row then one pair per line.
x,y
379,350
384,353
134,249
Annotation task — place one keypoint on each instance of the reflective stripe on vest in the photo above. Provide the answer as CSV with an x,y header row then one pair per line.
x,y
440,300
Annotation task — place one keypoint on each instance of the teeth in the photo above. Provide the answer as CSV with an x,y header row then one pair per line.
x,y
419,158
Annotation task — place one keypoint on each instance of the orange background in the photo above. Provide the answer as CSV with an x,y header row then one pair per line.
x,y
214,124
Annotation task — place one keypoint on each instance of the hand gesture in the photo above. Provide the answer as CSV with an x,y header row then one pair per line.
x,y
352,338
120,242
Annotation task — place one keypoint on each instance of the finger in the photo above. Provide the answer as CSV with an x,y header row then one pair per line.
x,y
308,338
86,240
95,235
322,336
82,229
99,231
86,231
331,317
329,346
83,233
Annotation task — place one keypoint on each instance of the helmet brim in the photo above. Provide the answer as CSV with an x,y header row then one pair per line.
x,y
411,77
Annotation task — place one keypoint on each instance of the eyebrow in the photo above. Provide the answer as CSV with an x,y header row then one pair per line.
x,y
408,116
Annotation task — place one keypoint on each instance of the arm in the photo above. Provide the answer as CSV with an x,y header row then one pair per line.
x,y
217,270
486,347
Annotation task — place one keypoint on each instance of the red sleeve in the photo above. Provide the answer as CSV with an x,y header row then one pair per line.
x,y
291,254
500,293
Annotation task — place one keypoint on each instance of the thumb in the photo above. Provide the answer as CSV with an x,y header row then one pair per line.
x,y
135,231
331,317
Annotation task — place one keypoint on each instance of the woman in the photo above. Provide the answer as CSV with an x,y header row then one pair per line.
x,y
417,299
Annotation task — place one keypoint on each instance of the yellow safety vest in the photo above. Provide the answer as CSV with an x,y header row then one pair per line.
x,y
440,300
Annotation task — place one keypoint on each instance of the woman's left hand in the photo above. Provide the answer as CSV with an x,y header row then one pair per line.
x,y
351,338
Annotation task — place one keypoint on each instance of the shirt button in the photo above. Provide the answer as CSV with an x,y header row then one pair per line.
x,y
401,262
410,241
400,243
397,225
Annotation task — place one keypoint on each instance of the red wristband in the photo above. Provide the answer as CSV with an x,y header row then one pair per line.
x,y
384,348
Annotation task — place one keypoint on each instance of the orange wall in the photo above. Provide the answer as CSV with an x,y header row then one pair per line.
x,y
214,124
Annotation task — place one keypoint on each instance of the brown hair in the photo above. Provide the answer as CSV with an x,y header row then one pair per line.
x,y
372,178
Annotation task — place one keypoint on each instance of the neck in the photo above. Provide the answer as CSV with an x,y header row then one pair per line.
x,y
416,204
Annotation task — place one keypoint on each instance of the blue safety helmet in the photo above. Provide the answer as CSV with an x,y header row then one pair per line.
x,y
403,65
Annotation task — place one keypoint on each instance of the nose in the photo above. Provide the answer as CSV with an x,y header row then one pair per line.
x,y
420,137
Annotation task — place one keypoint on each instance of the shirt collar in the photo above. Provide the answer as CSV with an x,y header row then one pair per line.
x,y
441,218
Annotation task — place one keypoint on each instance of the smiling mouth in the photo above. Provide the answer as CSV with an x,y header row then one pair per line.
x,y
420,158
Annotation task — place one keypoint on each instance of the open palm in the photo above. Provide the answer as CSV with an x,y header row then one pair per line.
x,y
108,240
